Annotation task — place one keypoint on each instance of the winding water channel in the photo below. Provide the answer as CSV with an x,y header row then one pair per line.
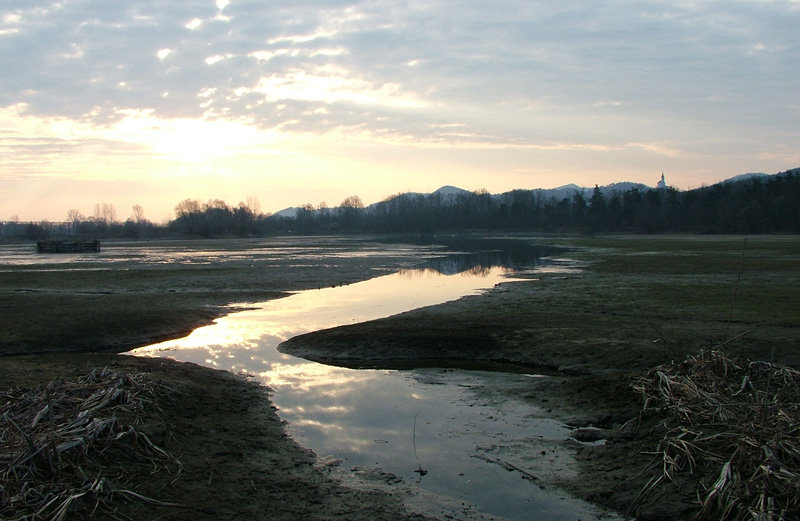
x,y
430,430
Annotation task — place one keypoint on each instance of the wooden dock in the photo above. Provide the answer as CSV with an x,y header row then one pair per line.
x,y
85,246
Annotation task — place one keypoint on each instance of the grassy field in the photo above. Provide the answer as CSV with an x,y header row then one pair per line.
x,y
700,291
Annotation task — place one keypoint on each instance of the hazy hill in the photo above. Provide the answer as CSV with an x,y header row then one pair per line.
x,y
289,213
450,191
449,194
744,177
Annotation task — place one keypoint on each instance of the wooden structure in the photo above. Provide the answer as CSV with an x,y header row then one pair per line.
x,y
86,246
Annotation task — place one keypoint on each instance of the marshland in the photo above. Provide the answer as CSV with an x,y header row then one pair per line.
x,y
614,323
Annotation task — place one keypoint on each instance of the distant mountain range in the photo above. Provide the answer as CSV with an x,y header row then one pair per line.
x,y
452,192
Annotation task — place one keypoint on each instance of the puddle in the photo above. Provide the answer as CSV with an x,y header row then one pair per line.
x,y
427,429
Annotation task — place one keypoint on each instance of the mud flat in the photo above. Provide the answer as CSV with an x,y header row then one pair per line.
x,y
58,316
134,294
620,306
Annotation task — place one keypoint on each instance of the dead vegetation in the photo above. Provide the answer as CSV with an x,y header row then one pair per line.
x,y
731,435
72,446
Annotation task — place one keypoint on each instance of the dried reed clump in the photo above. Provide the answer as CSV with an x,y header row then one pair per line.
x,y
732,428
65,448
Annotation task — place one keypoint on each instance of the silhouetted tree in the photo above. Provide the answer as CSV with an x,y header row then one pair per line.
x,y
138,214
598,211
579,209
350,211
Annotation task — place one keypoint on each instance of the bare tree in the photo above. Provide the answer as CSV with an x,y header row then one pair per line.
x,y
75,216
353,202
254,206
109,213
350,210
104,213
215,204
138,214
187,207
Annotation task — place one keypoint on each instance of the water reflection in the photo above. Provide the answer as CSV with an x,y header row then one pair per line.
x,y
475,254
398,421
244,341
115,255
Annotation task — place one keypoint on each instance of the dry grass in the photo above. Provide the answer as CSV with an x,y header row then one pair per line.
x,y
70,448
732,431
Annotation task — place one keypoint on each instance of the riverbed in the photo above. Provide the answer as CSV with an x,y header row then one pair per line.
x,y
430,433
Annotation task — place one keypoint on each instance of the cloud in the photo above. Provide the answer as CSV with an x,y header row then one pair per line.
x,y
330,85
125,56
661,77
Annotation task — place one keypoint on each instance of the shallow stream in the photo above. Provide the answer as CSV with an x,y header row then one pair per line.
x,y
431,430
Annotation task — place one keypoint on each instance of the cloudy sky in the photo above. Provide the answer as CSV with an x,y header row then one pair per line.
x,y
292,102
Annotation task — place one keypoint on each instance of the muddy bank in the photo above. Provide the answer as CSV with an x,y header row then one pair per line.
x,y
236,460
587,391
585,323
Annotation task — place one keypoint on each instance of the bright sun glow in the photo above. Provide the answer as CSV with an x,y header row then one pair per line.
x,y
190,139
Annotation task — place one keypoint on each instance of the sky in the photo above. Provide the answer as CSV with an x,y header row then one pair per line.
x,y
292,102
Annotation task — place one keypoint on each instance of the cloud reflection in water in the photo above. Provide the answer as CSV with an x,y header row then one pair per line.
x,y
248,338
392,419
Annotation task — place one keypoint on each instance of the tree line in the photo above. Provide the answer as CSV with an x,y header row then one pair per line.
x,y
769,204
192,218
102,222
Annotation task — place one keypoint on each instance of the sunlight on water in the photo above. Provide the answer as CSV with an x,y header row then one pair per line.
x,y
242,341
398,421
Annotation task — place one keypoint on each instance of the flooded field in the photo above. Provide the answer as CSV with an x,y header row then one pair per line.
x,y
121,255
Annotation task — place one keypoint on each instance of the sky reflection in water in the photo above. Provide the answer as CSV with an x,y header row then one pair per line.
x,y
369,417
240,340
